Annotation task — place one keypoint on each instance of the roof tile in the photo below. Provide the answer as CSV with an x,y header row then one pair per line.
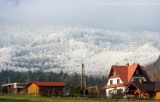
x,y
48,83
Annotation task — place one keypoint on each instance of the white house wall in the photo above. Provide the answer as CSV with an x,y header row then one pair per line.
x,y
107,90
114,81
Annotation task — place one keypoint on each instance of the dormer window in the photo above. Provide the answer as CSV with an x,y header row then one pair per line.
x,y
137,71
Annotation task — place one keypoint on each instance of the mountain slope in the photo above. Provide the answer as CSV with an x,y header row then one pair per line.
x,y
55,48
153,70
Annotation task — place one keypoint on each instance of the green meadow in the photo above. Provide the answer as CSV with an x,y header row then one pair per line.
x,y
15,98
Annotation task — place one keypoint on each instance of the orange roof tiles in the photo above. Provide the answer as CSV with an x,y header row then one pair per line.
x,y
131,70
122,72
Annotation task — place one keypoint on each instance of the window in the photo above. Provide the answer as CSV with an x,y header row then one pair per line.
x,y
136,79
19,89
110,92
137,71
111,82
119,90
118,81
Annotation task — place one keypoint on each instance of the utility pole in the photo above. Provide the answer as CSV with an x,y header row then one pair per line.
x,y
83,83
82,76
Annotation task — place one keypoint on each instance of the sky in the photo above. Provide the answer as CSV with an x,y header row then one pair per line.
x,y
125,15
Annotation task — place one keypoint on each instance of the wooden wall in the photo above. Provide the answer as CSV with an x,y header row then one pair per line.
x,y
157,95
33,89
55,89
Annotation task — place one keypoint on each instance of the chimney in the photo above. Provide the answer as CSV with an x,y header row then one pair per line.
x,y
141,80
127,64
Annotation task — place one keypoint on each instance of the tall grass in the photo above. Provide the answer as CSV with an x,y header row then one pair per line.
x,y
26,98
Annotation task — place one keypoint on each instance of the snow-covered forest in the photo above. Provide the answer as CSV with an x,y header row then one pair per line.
x,y
56,48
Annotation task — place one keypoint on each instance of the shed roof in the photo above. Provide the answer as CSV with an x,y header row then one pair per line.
x,y
147,86
144,86
47,83
10,84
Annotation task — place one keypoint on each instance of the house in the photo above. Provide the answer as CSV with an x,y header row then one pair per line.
x,y
15,88
45,88
121,76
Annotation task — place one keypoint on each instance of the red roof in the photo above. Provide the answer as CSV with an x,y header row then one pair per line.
x,y
48,83
122,72
126,72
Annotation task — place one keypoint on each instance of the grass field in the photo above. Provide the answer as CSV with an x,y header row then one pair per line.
x,y
15,98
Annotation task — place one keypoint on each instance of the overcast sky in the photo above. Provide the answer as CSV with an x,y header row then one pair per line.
x,y
136,15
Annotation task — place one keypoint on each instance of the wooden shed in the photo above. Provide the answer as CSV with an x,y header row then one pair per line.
x,y
45,88
13,88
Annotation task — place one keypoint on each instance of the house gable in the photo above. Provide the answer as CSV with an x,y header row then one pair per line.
x,y
114,78
112,73
33,89
138,73
145,74
119,72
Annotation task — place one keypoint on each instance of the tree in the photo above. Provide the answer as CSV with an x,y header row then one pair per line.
x,y
72,90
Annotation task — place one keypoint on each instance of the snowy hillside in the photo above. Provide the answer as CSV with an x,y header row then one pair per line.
x,y
51,48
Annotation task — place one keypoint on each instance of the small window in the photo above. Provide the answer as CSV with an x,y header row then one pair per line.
x,y
118,81
137,71
111,82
